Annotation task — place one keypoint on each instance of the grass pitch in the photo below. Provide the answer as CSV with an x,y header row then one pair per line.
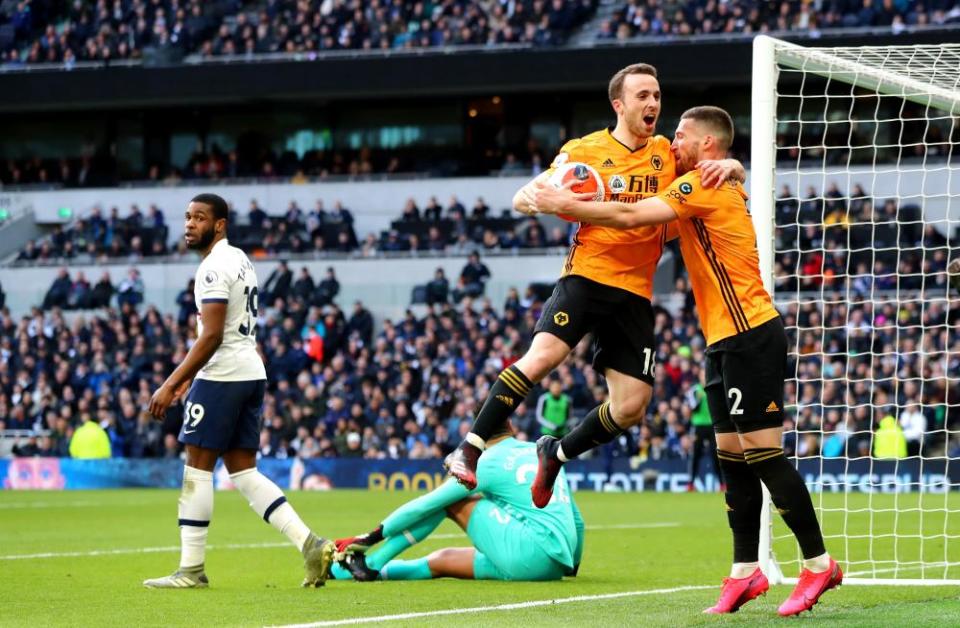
x,y
78,558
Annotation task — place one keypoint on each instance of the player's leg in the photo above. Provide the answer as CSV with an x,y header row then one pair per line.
x,y
194,513
743,498
205,432
564,321
625,355
365,567
265,497
753,377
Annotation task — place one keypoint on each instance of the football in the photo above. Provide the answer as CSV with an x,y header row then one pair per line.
x,y
587,181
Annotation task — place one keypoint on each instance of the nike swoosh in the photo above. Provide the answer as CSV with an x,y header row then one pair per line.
x,y
189,431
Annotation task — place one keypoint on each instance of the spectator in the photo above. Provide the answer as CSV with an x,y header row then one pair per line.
x,y
59,291
327,289
438,289
90,441
914,426
256,216
130,290
361,323
889,441
554,410
102,291
473,278
186,303
278,283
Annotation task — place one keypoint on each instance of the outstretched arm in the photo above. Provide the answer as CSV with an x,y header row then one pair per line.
x,y
650,211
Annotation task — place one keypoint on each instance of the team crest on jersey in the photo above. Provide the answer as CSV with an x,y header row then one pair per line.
x,y
559,160
617,184
561,319
685,188
657,162
210,277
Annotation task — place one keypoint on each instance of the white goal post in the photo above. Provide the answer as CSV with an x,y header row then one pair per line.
x,y
855,197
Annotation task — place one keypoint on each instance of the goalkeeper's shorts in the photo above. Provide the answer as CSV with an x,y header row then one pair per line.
x,y
506,548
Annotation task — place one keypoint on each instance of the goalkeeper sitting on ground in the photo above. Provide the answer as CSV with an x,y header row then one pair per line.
x,y
512,539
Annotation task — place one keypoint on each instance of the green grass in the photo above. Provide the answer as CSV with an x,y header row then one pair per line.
x,y
257,586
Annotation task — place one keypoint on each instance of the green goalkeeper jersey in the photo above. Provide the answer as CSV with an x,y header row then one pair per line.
x,y
504,475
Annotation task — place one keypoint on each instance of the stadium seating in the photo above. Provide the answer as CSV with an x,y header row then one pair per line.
x,y
38,34
332,374
653,18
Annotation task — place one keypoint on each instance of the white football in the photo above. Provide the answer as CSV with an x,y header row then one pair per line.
x,y
587,179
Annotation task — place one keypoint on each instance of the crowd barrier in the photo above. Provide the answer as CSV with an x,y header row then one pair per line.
x,y
621,475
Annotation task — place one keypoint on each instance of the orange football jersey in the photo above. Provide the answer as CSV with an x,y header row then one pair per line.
x,y
625,259
719,247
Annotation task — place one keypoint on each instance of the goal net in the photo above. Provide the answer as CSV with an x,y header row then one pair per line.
x,y
855,193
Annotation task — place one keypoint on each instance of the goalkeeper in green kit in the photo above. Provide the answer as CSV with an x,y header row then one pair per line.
x,y
512,539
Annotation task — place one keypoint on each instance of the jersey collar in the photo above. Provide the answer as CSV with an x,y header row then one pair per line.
x,y
630,150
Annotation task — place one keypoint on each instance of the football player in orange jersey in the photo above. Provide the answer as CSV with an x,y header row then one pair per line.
x,y
605,288
746,353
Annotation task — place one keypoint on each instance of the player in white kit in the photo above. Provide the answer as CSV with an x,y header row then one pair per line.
x,y
222,408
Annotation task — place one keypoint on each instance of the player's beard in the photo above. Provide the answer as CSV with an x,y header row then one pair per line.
x,y
204,239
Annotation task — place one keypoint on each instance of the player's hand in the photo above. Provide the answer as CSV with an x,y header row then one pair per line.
x,y
161,400
526,202
714,172
551,200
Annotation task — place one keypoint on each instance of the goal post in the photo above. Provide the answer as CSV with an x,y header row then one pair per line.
x,y
855,197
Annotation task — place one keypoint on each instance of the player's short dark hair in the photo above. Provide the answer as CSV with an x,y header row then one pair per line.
x,y
216,203
615,89
716,120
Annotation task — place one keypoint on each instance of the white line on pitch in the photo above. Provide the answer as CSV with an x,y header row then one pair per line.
x,y
176,548
499,607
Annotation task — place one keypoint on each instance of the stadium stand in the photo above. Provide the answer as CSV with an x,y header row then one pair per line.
x,y
653,18
341,385
97,237
36,32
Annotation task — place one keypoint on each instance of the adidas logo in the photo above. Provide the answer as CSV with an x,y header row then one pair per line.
x,y
773,407
608,164
505,399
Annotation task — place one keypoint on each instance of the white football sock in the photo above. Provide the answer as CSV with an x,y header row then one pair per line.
x,y
742,570
267,500
475,440
818,564
194,511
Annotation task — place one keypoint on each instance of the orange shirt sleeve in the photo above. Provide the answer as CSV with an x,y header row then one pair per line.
x,y
688,198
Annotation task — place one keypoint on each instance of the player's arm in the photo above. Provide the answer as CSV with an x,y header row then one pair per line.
x,y
650,211
213,314
581,529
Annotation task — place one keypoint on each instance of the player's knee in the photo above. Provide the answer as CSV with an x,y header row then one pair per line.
x,y
538,362
629,412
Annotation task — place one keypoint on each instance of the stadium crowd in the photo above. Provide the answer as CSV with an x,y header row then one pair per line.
x,y
47,32
433,228
664,18
874,355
